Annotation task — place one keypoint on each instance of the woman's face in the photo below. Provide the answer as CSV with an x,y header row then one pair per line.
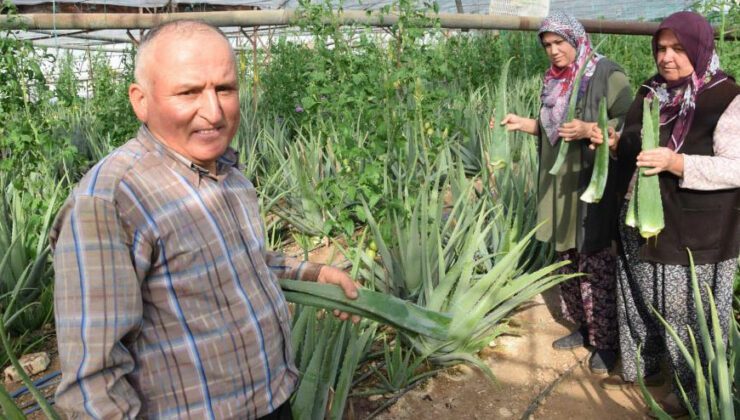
x,y
559,51
671,58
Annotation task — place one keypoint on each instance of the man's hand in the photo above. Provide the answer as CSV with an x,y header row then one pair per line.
x,y
661,159
333,275
597,138
576,129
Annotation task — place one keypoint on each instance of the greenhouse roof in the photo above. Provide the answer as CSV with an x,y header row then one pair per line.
x,y
593,9
116,39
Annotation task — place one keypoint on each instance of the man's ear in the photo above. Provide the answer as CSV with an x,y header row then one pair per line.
x,y
137,97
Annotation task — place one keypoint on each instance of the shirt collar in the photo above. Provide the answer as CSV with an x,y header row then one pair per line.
x,y
229,159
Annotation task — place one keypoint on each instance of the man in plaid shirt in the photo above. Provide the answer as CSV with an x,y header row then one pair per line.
x,y
167,302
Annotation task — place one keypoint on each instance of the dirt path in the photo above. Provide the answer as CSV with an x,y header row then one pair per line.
x,y
534,381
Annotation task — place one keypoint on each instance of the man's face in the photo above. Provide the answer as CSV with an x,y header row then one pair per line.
x,y
189,97
673,62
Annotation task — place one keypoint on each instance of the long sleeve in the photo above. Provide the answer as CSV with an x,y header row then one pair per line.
x,y
722,170
292,268
98,307
618,98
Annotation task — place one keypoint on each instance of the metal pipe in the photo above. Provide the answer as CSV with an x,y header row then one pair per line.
x,y
250,18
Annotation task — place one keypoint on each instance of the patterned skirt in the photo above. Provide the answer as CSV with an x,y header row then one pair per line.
x,y
590,300
644,286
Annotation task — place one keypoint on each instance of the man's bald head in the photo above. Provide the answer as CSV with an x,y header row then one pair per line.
x,y
179,29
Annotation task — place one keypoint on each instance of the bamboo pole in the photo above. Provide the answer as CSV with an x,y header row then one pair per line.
x,y
251,18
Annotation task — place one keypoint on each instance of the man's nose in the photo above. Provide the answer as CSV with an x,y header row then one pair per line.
x,y
210,107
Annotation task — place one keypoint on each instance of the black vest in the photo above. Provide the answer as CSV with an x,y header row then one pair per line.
x,y
706,222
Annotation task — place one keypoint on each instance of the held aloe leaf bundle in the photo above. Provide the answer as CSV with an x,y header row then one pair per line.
x,y
564,145
645,208
595,189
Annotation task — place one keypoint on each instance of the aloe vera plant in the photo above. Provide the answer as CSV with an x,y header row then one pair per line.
x,y
595,189
25,276
645,209
460,276
327,353
716,399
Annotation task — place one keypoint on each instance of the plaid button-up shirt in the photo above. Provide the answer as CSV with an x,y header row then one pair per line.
x,y
166,301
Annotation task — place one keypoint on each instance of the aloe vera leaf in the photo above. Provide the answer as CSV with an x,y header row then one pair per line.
x,y
721,362
309,344
330,363
646,395
701,384
685,397
10,410
305,397
383,308
649,207
700,313
672,332
499,152
631,216
351,358
298,330
564,145
595,189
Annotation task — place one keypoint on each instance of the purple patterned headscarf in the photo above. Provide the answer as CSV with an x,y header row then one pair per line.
x,y
557,86
678,99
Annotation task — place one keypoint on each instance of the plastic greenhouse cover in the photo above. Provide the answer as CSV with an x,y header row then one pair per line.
x,y
590,9
469,6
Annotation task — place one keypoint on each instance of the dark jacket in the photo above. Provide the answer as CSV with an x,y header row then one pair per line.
x,y
568,221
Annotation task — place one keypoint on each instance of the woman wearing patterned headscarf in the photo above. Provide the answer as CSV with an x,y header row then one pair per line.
x,y
580,232
698,165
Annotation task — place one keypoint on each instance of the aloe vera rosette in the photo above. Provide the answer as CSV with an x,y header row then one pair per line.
x,y
595,189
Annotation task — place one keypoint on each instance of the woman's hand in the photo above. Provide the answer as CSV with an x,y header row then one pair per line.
x,y
576,129
661,159
333,275
597,138
514,122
